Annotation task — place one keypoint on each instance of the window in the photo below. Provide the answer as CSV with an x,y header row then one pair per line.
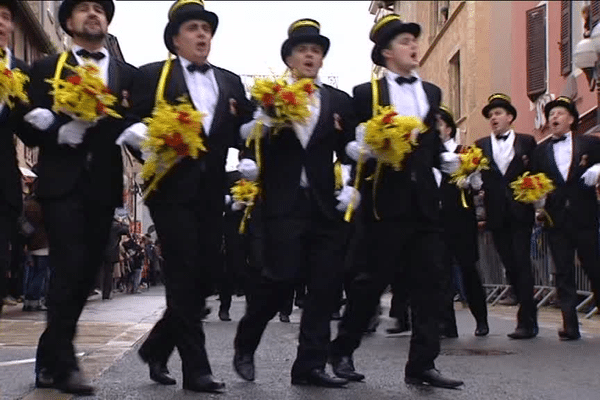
x,y
565,37
536,52
454,81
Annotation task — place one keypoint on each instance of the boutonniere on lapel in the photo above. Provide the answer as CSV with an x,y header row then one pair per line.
x,y
12,85
173,134
233,107
82,96
337,122
125,99
584,161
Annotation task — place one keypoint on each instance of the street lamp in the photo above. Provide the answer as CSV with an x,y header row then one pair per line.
x,y
587,57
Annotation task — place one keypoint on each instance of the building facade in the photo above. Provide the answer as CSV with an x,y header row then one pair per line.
x,y
472,49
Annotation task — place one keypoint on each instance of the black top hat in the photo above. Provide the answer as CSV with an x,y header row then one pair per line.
x,y
499,100
11,5
66,8
566,102
303,31
385,30
182,11
447,116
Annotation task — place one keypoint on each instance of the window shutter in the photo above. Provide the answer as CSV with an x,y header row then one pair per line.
x,y
594,13
536,52
565,37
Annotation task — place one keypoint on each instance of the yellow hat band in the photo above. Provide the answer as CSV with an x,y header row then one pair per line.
x,y
181,3
499,96
447,110
301,23
384,21
564,99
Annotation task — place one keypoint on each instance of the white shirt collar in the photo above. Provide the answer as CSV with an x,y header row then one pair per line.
x,y
566,135
451,145
391,75
76,48
509,133
185,62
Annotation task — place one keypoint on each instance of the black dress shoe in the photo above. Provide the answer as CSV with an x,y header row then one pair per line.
x,y
159,373
284,318
569,334
449,333
343,367
482,329
224,316
318,377
74,383
43,379
203,383
523,333
432,377
244,365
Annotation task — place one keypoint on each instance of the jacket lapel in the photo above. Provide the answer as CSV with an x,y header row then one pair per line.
x,y
554,171
430,117
176,86
384,93
516,161
487,150
319,128
113,77
222,107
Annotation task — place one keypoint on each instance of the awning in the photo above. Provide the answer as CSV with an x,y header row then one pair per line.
x,y
26,172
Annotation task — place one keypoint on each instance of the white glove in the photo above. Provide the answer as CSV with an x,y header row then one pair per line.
x,y
475,180
450,162
463,183
259,115
346,169
538,205
248,169
345,198
590,177
353,150
72,133
359,133
40,118
133,136
238,205
227,199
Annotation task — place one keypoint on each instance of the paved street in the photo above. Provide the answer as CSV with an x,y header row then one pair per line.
x,y
492,368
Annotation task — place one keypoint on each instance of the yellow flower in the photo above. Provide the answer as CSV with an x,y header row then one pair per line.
x,y
12,85
83,95
471,160
244,191
173,133
390,136
282,101
531,188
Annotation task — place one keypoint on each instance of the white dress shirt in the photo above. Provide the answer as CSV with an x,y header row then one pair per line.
x,y
101,64
8,62
503,151
408,99
450,145
563,152
204,92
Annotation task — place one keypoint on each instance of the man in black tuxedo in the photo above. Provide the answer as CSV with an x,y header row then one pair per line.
x,y
187,206
460,237
11,200
80,176
304,233
573,163
510,221
402,225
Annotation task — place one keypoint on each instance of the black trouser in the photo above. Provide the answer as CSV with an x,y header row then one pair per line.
x,y
190,239
7,220
305,246
563,243
514,247
234,262
78,230
395,245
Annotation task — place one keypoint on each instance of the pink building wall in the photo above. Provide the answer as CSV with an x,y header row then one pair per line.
x,y
556,82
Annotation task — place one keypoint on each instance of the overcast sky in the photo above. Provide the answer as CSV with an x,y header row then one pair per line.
x,y
250,33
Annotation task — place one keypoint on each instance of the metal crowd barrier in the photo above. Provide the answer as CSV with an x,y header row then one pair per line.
x,y
494,278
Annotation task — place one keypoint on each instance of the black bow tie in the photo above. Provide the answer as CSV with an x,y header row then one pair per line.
x,y
558,139
198,68
402,80
502,137
83,53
